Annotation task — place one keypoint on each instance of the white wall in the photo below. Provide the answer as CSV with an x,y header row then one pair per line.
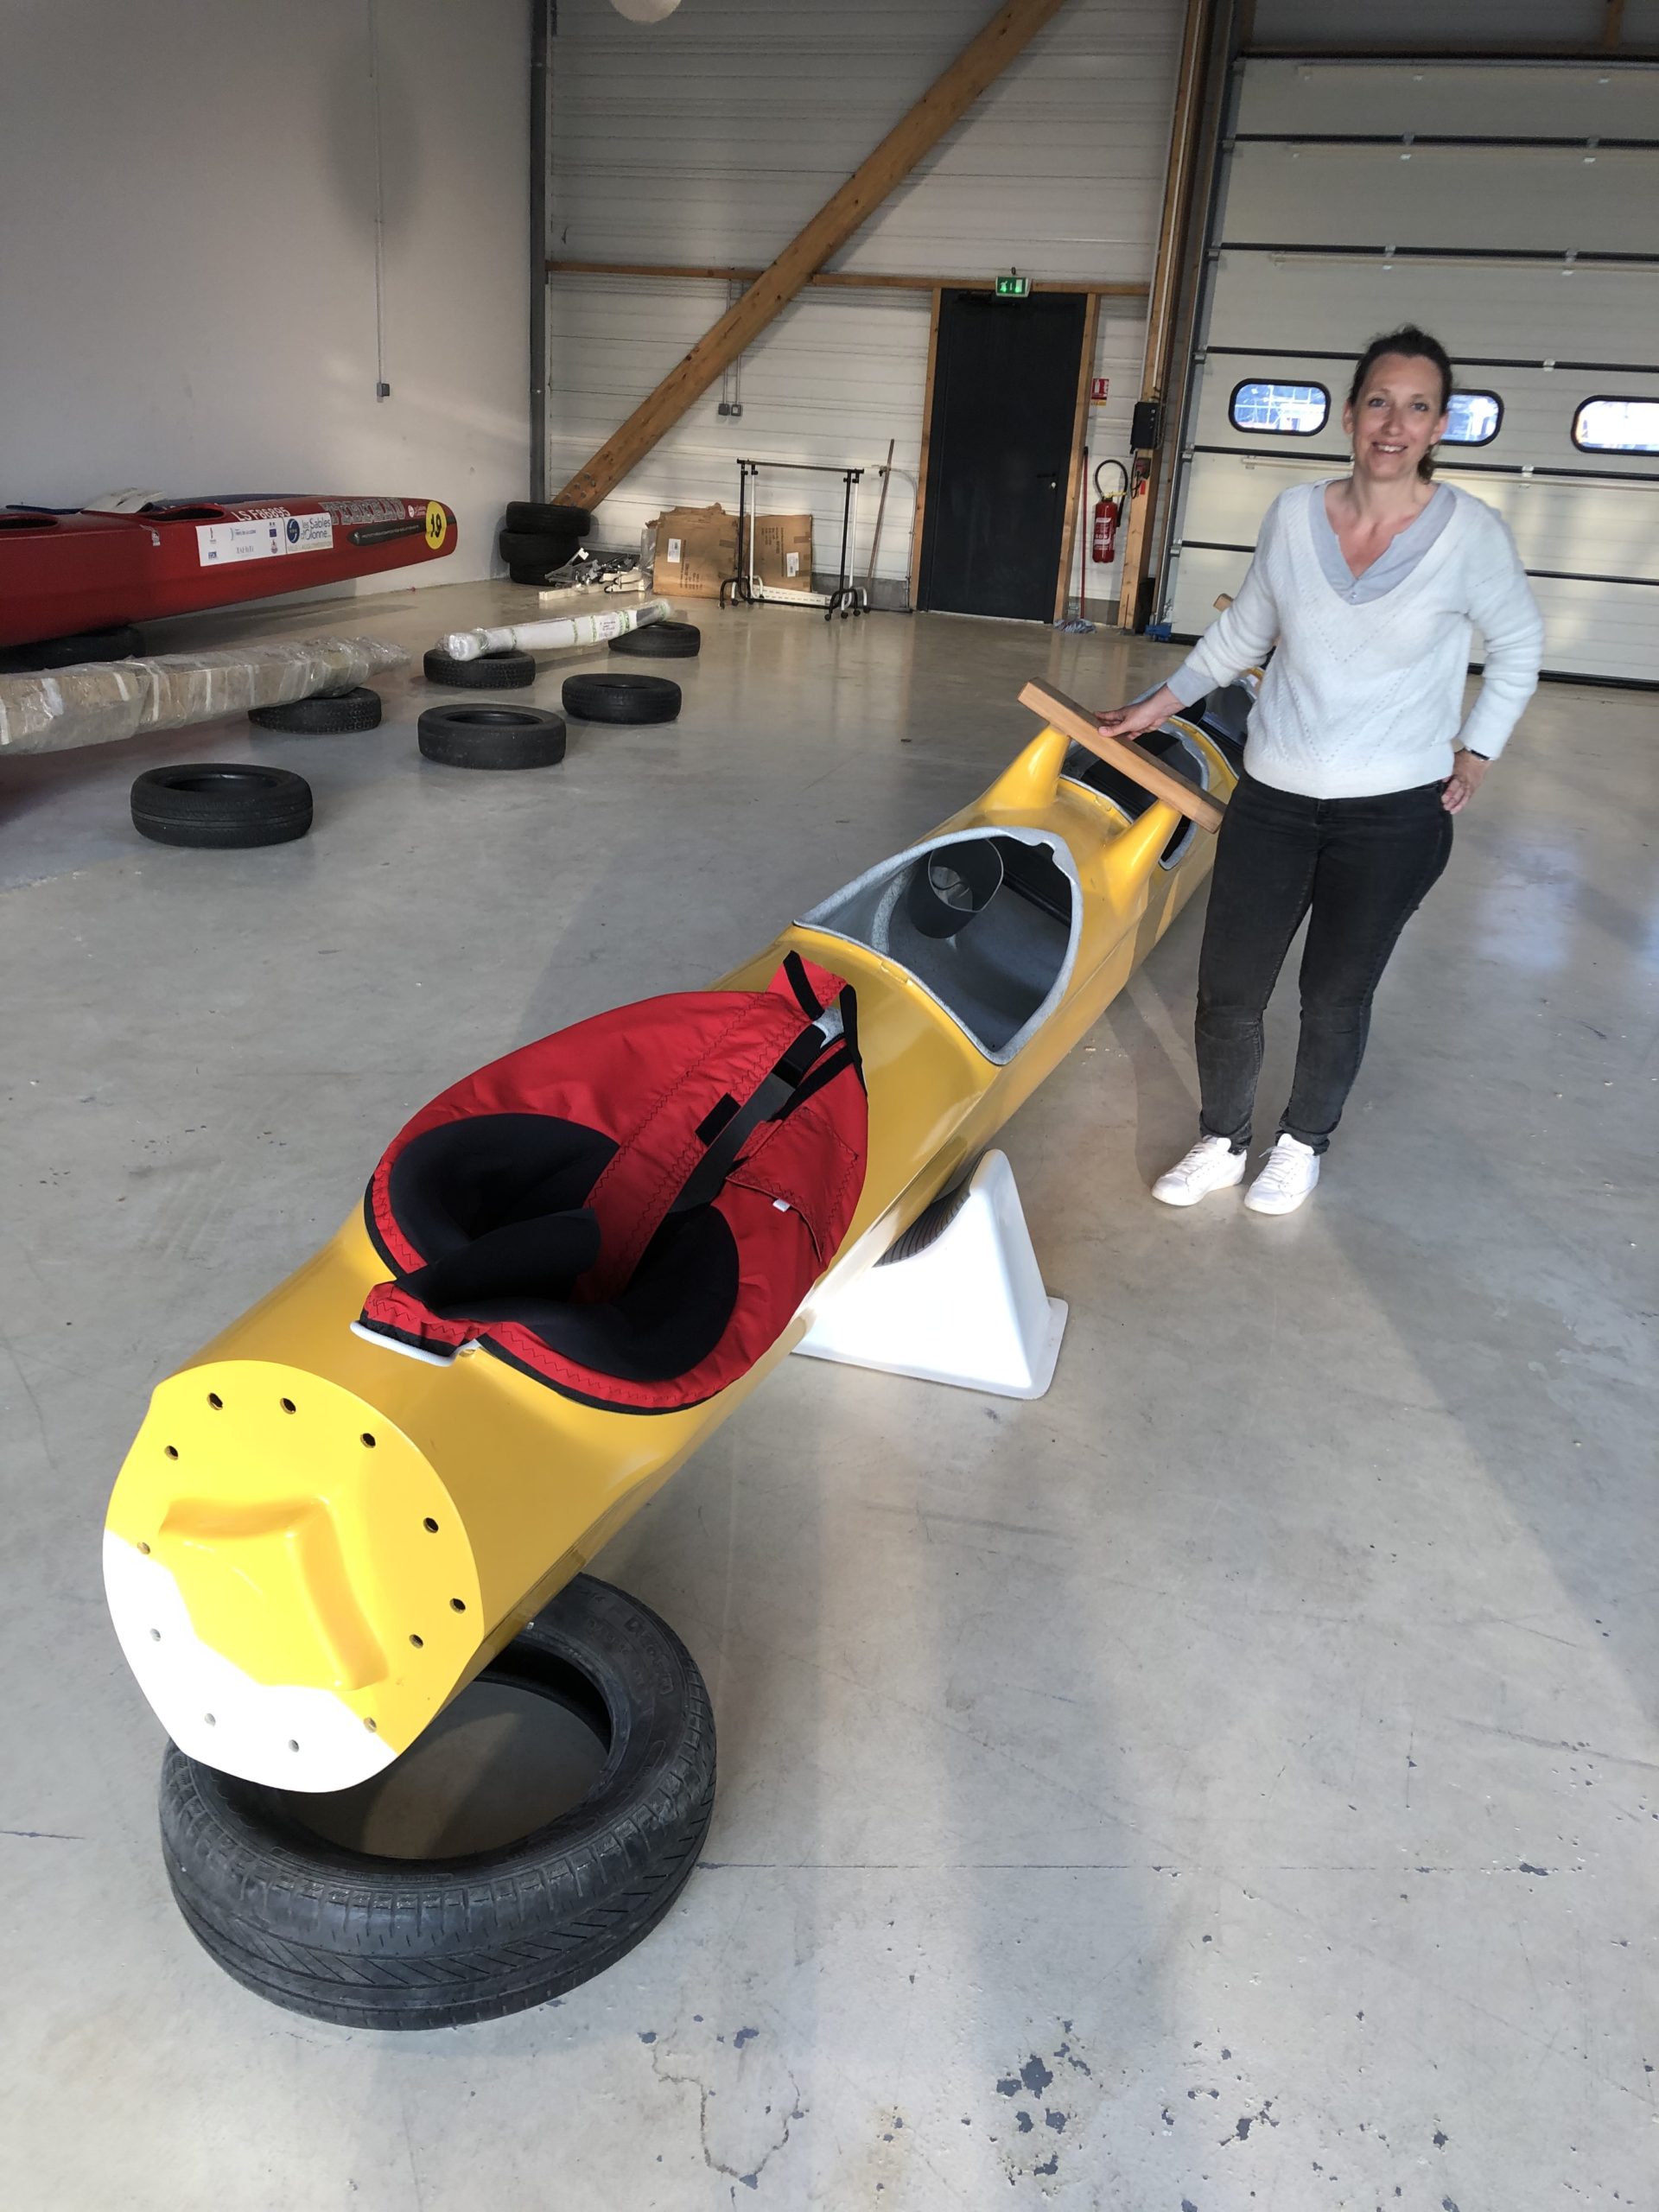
x,y
713,137
187,252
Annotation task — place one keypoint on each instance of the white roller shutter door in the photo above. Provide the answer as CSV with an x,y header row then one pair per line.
x,y
1510,209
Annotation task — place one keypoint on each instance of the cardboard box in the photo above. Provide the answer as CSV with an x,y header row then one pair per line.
x,y
783,551
696,551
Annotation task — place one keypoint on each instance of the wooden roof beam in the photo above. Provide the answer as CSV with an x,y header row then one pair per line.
x,y
851,279
979,64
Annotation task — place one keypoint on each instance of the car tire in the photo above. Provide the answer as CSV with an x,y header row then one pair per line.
x,y
660,641
220,805
492,737
541,549
368,1942
331,715
539,578
932,1221
542,519
621,698
504,671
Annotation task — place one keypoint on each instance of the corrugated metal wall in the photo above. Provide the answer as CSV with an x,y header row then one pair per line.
x,y
1507,207
1425,26
710,138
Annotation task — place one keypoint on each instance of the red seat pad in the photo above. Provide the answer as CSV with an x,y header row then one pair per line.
x,y
649,1078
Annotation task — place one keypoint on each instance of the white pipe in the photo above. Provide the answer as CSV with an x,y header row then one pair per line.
x,y
547,637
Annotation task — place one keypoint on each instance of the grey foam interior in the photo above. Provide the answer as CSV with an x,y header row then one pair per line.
x,y
1000,970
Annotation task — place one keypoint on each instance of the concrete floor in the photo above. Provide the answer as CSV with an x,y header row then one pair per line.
x,y
1230,1782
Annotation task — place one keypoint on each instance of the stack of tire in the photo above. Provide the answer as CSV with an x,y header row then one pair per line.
x,y
538,539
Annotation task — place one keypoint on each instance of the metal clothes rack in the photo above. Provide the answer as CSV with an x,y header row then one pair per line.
x,y
847,598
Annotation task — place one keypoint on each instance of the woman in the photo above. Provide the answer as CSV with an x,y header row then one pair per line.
x,y
1370,583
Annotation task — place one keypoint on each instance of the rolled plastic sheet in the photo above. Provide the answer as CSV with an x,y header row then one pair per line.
x,y
100,701
547,637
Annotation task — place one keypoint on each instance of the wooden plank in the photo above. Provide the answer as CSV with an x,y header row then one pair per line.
x,y
1137,529
848,280
979,64
1079,431
880,516
1079,725
921,465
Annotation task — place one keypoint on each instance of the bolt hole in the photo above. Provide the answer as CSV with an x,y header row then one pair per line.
x,y
419,1642
171,1450
368,1441
155,1636
292,1745
287,1405
145,1550
209,1718
215,1401
373,1726
457,1605
430,1526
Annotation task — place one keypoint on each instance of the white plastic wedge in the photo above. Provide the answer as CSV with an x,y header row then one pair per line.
x,y
969,1309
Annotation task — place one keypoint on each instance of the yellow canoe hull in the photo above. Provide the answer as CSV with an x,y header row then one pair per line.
x,y
315,1541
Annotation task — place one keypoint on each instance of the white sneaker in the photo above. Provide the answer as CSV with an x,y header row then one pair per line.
x,y
1291,1170
1212,1164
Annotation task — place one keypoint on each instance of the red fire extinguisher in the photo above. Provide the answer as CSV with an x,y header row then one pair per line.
x,y
1107,512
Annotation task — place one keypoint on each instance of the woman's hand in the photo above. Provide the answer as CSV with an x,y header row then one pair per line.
x,y
1130,723
1467,769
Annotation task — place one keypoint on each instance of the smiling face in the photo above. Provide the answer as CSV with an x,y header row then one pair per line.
x,y
1399,415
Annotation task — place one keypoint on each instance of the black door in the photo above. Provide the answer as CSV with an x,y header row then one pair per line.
x,y
1005,397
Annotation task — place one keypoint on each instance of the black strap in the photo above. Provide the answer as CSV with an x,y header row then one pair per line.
x,y
795,976
826,1072
792,1081
849,1004
704,1182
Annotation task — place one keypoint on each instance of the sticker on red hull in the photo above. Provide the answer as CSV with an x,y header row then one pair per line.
x,y
218,543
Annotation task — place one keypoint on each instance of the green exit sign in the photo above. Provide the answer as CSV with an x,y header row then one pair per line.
x,y
1013,287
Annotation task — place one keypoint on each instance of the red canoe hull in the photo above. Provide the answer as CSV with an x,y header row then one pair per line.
x,y
61,574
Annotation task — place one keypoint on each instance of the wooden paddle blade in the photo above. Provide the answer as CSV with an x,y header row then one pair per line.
x,y
1078,724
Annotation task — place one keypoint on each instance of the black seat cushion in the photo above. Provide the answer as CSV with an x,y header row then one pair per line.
x,y
671,1316
459,1181
494,1204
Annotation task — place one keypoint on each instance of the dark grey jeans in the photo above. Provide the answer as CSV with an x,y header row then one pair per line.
x,y
1358,869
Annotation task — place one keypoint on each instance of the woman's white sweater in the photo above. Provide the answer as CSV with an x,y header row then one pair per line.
x,y
1358,700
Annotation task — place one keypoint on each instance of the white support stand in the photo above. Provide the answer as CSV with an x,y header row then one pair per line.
x,y
970,1310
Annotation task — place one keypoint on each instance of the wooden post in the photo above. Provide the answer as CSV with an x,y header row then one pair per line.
x,y
921,465
980,62
880,516
1079,433
1166,291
